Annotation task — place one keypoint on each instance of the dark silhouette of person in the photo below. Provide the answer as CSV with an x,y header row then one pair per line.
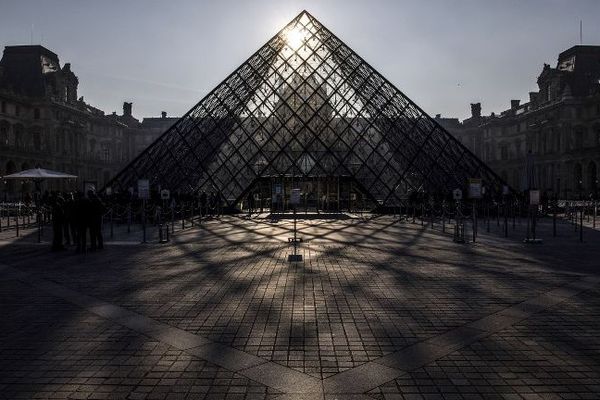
x,y
57,205
66,220
250,201
96,211
81,213
70,219
212,203
203,201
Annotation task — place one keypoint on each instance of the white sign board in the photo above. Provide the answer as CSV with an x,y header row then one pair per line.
x,y
457,194
295,196
474,188
534,197
143,189
165,194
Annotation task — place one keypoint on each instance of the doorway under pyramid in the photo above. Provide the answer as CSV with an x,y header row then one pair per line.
x,y
305,111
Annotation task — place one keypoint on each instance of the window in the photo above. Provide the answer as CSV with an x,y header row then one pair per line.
x,y
579,138
504,153
105,153
4,133
17,110
37,140
3,107
36,113
19,137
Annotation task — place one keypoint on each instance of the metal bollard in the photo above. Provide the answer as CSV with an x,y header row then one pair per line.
x,y
129,219
581,226
111,224
163,233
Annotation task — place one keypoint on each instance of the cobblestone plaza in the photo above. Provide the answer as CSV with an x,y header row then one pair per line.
x,y
378,309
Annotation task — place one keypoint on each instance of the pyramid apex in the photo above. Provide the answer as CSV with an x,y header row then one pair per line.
x,y
302,13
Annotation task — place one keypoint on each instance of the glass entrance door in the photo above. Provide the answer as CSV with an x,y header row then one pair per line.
x,y
322,194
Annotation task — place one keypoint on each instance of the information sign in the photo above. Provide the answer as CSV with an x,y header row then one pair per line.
x,y
295,196
143,189
534,197
474,188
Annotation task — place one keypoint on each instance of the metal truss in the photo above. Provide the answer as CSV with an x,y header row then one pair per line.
x,y
306,105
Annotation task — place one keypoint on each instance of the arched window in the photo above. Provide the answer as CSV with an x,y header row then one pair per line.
x,y
58,140
36,136
579,137
4,139
577,177
19,131
10,183
592,178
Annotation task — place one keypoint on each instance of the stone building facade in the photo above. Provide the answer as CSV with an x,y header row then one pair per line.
x,y
44,123
559,125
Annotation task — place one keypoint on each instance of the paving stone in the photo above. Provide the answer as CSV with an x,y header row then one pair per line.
x,y
360,379
374,292
413,357
282,378
456,338
225,356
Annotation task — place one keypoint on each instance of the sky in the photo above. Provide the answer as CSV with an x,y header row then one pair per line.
x,y
166,55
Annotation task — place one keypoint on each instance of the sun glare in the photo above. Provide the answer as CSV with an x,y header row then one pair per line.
x,y
295,38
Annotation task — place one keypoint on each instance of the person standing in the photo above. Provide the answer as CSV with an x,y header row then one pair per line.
x,y
70,207
96,211
57,222
203,203
81,218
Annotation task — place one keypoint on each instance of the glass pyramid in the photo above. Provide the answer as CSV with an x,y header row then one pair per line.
x,y
306,106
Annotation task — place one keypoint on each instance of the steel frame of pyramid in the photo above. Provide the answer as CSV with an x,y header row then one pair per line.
x,y
306,105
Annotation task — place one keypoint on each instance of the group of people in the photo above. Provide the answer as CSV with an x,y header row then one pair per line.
x,y
74,216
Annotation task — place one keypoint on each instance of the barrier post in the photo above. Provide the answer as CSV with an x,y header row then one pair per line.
x,y
129,218
581,225
111,224
182,212
17,218
144,221
474,216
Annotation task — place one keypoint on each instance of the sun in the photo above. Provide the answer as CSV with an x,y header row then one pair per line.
x,y
295,38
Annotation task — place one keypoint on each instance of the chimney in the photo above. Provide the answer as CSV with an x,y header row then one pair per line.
x,y
533,97
514,104
475,110
438,116
163,114
127,109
